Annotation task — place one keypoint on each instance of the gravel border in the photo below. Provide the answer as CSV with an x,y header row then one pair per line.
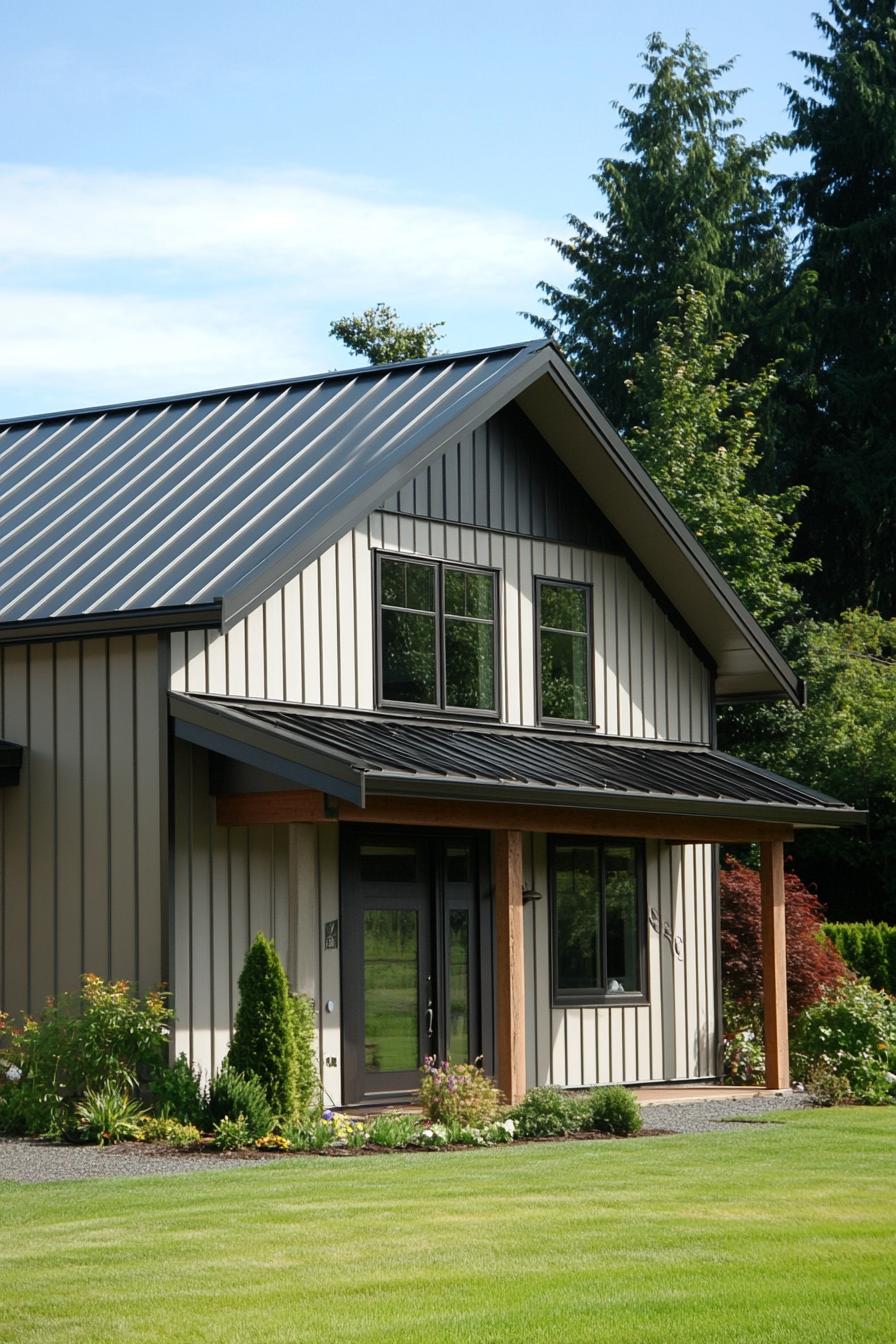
x,y
29,1161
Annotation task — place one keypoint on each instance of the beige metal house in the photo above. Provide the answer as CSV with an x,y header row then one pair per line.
x,y
411,667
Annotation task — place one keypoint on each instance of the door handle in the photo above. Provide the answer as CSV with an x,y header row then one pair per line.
x,y
429,1020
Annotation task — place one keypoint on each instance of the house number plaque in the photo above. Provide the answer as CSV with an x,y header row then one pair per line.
x,y
331,935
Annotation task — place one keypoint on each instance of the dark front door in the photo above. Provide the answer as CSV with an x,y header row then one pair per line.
x,y
412,931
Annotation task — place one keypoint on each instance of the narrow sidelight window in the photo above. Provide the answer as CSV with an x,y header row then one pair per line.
x,y
437,635
564,651
598,927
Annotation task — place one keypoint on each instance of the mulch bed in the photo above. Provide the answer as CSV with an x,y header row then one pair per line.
x,y
369,1150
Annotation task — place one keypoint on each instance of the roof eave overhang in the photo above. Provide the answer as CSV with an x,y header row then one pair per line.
x,y
200,616
380,785
276,753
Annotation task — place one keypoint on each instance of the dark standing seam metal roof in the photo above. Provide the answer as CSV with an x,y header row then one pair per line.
x,y
192,510
351,755
174,503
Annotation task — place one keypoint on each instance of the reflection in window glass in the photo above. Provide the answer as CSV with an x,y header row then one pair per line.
x,y
469,664
596,919
621,900
564,652
457,863
459,986
391,1001
577,905
388,863
408,629
413,644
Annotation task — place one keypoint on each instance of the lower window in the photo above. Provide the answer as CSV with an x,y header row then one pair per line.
x,y
597,903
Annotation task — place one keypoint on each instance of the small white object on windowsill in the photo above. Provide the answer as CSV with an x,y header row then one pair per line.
x,y
615,987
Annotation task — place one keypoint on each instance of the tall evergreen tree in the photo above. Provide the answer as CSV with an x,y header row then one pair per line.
x,y
689,205
846,206
697,432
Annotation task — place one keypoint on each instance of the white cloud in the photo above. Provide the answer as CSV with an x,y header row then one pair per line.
x,y
122,285
334,236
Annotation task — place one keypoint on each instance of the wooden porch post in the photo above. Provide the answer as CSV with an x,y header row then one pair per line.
x,y
774,965
510,1005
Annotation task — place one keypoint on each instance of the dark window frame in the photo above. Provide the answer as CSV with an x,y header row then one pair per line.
x,y
440,706
577,998
546,720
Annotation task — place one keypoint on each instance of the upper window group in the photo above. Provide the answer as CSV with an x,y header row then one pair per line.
x,y
438,640
438,635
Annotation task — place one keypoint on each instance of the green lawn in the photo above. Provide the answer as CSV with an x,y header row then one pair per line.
x,y
771,1232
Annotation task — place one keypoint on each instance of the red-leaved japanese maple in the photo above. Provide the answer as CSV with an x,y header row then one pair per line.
x,y
812,960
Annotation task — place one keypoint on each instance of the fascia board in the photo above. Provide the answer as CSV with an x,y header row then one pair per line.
x,y
265,747
674,527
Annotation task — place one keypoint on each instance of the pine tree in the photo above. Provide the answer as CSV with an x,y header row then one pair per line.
x,y
690,205
263,1042
846,206
378,335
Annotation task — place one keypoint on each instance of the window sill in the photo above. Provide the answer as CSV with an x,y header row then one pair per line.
x,y
604,1001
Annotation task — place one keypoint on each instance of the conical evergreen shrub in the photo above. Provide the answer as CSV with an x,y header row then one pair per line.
x,y
263,1042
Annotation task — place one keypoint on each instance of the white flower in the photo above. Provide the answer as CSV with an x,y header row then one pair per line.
x,y
14,1073
508,1126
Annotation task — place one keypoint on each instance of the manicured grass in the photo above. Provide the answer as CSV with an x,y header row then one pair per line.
x,y
760,1233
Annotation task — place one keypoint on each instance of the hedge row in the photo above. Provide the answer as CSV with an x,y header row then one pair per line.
x,y
869,950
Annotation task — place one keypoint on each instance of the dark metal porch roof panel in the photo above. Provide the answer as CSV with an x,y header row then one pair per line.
x,y
172,503
398,755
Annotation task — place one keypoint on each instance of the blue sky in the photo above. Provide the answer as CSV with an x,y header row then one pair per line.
x,y
190,193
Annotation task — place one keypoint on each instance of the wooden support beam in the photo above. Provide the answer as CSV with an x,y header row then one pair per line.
x,y
774,965
296,805
510,1001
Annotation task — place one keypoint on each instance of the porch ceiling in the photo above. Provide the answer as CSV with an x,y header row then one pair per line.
x,y
355,756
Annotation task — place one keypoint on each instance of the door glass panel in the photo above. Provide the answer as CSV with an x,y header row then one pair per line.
x,y
459,985
457,863
388,863
391,997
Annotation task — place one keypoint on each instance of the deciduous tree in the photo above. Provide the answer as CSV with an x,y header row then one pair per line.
x,y
379,336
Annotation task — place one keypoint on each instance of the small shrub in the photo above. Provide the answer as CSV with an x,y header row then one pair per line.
x,y
106,1035
108,1115
231,1093
304,1040
544,1113
461,1093
165,1129
390,1130
263,1037
869,950
826,1088
177,1092
228,1135
852,1033
613,1110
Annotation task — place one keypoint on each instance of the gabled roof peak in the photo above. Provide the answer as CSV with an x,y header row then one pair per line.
x,y
278,384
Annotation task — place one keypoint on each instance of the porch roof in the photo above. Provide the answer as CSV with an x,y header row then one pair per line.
x,y
354,755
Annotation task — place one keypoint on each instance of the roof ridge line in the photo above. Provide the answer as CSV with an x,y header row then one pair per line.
x,y
239,389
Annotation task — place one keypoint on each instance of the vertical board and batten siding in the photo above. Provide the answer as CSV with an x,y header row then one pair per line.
x,y
230,884
83,834
313,642
674,1035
